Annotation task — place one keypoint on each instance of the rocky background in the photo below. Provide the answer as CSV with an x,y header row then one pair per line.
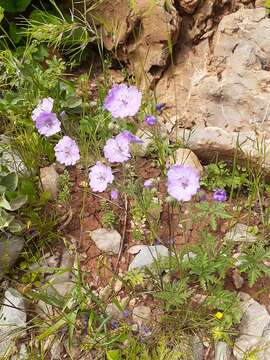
x,y
208,60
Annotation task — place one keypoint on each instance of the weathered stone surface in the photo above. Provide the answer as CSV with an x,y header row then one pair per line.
x,y
49,180
197,348
209,141
188,6
222,91
253,330
187,157
239,233
141,314
140,32
107,240
12,320
147,255
222,351
10,248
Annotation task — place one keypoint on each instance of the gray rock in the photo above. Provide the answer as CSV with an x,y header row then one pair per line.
x,y
187,157
10,248
113,311
239,233
197,348
189,6
158,22
59,284
224,89
49,180
141,314
56,350
238,280
222,351
147,256
12,320
255,322
144,148
107,240
62,282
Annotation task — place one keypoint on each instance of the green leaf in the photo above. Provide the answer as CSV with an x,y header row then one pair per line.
x,y
73,102
57,326
15,5
15,227
113,355
5,219
4,203
14,32
1,14
18,202
10,181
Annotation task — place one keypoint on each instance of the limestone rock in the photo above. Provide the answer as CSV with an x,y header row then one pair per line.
x,y
239,233
238,280
141,314
153,23
49,180
147,256
107,240
253,330
188,6
222,351
187,157
12,320
113,311
61,283
209,141
197,348
224,90
260,3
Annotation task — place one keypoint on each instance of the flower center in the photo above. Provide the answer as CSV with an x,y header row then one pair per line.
x,y
184,182
101,177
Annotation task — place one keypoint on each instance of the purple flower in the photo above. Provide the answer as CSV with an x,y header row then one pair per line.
x,y
148,183
145,330
117,149
123,101
100,176
126,314
67,151
159,107
114,324
131,138
114,194
220,195
150,120
183,182
47,124
45,105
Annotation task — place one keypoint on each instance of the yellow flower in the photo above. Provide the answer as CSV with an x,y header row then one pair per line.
x,y
217,333
219,315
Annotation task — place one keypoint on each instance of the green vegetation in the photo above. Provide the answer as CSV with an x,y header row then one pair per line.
x,y
187,290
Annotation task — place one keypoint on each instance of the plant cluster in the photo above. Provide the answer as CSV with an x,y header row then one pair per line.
x,y
53,118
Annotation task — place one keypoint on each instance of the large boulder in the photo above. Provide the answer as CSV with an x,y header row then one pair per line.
x,y
223,85
138,32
